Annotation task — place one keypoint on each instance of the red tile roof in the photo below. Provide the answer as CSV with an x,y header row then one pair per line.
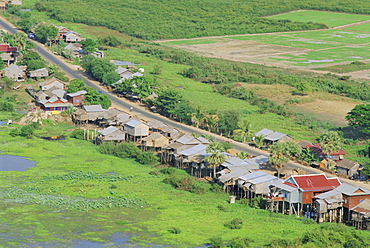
x,y
7,48
317,149
317,182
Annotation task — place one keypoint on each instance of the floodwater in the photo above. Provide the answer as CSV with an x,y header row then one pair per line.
x,y
15,163
2,122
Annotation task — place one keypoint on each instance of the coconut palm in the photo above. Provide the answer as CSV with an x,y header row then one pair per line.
x,y
244,129
242,154
330,141
278,156
215,155
258,141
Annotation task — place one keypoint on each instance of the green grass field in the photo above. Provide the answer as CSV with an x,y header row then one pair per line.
x,y
327,46
331,19
362,28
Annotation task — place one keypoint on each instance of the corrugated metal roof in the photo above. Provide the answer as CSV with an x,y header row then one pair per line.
x,y
133,123
347,164
264,132
185,139
280,184
252,175
262,179
93,108
108,130
261,159
234,174
275,136
200,148
80,92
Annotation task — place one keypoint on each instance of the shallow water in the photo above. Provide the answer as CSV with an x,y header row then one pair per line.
x,y
15,163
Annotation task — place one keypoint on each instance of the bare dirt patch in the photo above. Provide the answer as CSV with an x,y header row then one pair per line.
x,y
245,51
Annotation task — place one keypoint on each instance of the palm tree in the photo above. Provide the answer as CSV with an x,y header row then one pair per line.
x,y
242,154
278,156
330,141
215,155
244,129
198,118
258,141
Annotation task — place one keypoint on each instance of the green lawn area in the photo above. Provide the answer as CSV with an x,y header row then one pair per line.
x,y
331,19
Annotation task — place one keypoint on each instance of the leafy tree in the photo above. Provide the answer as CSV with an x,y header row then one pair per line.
x,y
183,111
167,101
26,24
147,158
46,33
100,67
35,64
76,85
228,121
143,86
110,78
244,129
215,155
7,83
89,45
111,41
359,116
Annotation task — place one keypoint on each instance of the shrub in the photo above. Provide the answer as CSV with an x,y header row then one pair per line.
x,y
217,188
239,242
216,242
308,221
121,222
186,183
169,171
147,158
6,106
257,202
175,230
235,223
78,134
199,188
154,173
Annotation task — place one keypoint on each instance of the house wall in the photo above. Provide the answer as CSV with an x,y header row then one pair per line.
x,y
142,130
118,135
307,197
352,201
76,100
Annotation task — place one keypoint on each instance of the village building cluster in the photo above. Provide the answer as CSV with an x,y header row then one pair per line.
x,y
315,196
